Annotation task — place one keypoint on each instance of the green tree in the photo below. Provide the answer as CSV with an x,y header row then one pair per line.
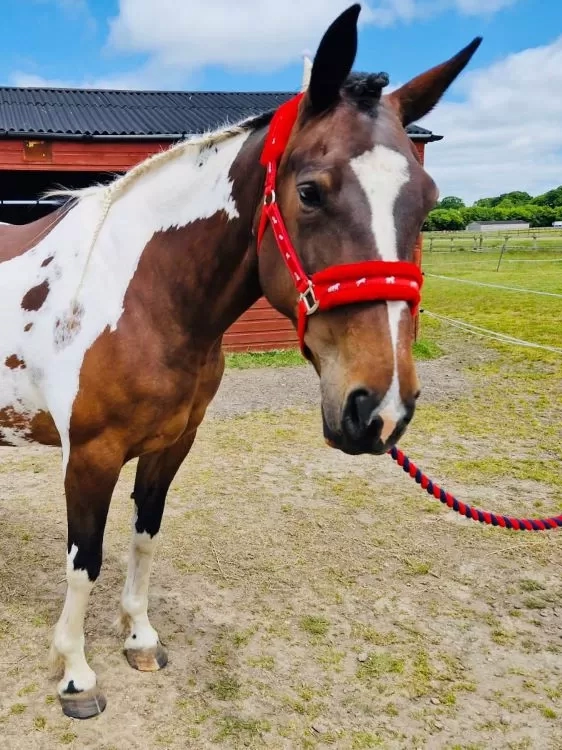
x,y
553,198
478,213
451,201
441,219
485,203
516,198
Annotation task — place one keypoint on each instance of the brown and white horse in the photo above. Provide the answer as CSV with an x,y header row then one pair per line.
x,y
112,309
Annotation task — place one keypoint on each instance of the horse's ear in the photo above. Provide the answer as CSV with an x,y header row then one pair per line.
x,y
418,97
333,61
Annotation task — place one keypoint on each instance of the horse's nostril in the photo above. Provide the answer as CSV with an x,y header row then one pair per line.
x,y
358,405
417,394
358,413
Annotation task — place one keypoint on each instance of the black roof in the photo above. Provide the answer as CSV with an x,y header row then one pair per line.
x,y
100,113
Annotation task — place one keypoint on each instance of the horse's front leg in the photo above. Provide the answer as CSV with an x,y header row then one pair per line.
x,y
154,475
91,474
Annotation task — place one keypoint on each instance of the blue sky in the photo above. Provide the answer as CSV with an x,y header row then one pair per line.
x,y
257,45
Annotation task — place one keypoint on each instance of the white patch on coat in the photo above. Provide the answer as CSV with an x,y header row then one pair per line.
x,y
68,641
173,192
134,599
382,174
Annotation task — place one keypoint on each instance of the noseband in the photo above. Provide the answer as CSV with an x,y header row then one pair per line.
x,y
350,283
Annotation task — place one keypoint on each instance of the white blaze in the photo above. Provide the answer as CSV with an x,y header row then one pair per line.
x,y
382,173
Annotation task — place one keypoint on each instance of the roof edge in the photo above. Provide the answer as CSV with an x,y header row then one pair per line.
x,y
37,135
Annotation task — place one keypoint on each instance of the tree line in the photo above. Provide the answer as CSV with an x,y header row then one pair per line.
x,y
452,214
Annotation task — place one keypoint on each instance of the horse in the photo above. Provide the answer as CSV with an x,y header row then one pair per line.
x,y
113,307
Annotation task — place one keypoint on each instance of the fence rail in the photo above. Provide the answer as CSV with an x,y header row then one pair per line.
x,y
544,240
464,232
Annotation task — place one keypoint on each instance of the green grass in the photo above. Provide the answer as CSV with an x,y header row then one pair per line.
x,y
314,625
226,688
241,731
379,664
423,349
274,358
506,429
426,349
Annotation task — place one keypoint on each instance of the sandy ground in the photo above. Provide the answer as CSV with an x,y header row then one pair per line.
x,y
306,599
243,391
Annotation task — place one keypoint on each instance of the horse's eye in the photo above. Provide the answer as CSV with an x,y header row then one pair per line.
x,y
310,195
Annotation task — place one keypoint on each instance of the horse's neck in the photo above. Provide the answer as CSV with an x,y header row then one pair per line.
x,y
212,260
191,216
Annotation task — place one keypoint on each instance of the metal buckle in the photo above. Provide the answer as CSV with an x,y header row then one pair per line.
x,y
309,298
269,198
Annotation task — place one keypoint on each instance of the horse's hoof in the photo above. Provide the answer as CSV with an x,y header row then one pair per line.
x,y
83,705
147,659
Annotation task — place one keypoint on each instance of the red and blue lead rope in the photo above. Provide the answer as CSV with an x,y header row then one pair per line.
x,y
483,516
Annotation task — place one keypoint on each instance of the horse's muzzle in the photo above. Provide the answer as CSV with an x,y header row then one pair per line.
x,y
363,429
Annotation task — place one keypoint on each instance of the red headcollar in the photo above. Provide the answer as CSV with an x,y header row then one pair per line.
x,y
367,281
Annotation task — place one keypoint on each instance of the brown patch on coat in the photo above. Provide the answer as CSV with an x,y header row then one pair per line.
x,y
39,428
17,239
35,297
67,326
43,430
15,363
47,261
28,327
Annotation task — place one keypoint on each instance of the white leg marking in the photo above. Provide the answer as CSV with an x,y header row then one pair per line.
x,y
382,173
68,640
134,600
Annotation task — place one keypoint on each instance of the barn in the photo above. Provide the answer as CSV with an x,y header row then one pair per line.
x,y
497,226
74,137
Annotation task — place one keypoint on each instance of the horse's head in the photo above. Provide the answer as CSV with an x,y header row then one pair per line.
x,y
345,187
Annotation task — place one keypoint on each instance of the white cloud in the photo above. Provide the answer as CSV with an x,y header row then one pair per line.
x,y
180,39
506,132
253,34
146,78
243,35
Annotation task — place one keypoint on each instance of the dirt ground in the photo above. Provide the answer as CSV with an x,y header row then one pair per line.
x,y
307,599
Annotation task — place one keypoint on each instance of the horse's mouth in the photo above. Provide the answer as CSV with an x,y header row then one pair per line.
x,y
373,446
356,447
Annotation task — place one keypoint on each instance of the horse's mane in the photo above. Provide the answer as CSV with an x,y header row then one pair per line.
x,y
112,190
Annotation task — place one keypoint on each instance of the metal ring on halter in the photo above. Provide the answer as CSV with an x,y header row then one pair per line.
x,y
309,299
269,198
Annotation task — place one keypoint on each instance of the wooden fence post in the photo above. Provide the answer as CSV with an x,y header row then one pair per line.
x,y
502,251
